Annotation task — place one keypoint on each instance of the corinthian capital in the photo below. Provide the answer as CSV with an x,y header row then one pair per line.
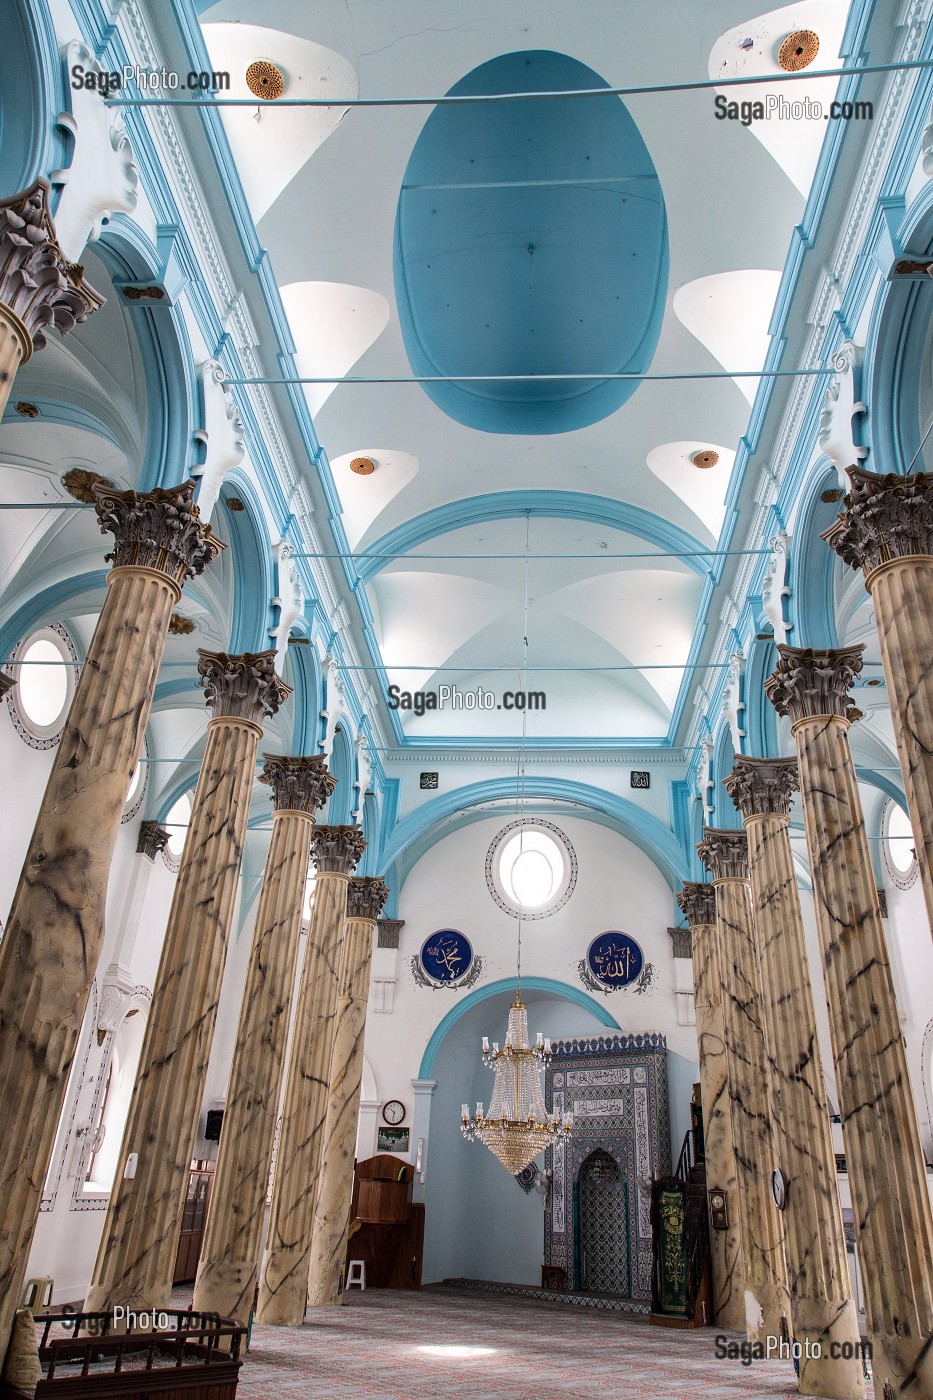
x,y
159,529
808,683
241,687
762,786
37,284
366,897
300,784
698,902
884,517
152,839
681,942
336,849
724,853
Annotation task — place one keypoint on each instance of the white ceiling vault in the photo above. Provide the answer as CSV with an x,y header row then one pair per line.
x,y
604,630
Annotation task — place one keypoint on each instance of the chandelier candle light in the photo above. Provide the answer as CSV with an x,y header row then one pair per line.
x,y
518,1126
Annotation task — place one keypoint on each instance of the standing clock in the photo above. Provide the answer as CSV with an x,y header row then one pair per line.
x,y
394,1112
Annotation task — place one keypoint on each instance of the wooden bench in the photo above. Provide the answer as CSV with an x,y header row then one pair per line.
x,y
194,1358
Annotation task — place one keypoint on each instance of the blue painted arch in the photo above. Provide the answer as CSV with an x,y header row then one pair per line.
x,y
641,828
553,505
496,201
32,95
506,984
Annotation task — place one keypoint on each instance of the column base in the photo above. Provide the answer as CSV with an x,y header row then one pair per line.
x,y
823,1328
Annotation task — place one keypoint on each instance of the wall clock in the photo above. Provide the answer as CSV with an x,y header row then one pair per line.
x,y
393,1112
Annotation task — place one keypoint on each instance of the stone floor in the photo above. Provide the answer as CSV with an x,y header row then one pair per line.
x,y
391,1346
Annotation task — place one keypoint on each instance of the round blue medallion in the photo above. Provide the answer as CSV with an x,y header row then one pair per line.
x,y
447,955
615,959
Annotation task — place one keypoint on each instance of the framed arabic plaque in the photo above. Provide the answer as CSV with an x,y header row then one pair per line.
x,y
614,959
446,960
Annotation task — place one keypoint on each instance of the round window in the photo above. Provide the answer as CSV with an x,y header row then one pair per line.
x,y
46,677
138,784
531,868
900,855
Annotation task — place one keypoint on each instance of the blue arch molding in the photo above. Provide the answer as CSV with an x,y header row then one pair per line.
x,y
252,565
33,94
638,826
496,200
813,599
504,505
494,989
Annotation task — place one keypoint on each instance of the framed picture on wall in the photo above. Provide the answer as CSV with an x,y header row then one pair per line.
x,y
393,1140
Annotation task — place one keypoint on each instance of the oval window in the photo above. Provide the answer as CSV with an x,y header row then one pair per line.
x,y
45,683
176,822
900,856
531,868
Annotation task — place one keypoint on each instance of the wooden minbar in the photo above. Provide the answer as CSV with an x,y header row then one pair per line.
x,y
386,1226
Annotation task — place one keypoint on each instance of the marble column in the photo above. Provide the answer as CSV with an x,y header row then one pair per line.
x,y
283,1275
698,902
886,529
52,942
725,855
38,286
136,1257
226,1280
887,1176
822,1310
365,898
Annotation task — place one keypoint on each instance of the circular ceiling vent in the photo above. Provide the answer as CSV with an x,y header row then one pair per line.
x,y
265,80
363,466
705,459
798,50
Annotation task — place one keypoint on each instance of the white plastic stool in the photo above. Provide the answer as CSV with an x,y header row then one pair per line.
x,y
37,1295
356,1274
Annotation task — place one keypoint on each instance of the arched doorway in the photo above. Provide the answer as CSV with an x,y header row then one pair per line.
x,y
603,1262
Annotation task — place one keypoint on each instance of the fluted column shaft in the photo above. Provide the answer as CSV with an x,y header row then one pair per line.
x,y
51,946
283,1286
136,1258
38,286
890,1199
335,1191
227,1268
766,1300
822,1310
698,903
886,529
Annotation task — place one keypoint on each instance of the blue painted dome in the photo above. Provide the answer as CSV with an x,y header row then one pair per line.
x,y
531,238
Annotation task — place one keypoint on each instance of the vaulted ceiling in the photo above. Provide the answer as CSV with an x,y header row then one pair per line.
x,y
565,237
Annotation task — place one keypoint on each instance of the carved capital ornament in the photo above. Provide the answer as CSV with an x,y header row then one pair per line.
x,y
389,932
241,687
698,902
807,684
681,942
38,286
301,784
762,786
336,850
366,897
159,529
883,518
724,853
152,839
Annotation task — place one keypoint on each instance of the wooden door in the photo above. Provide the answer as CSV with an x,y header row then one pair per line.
x,y
200,1179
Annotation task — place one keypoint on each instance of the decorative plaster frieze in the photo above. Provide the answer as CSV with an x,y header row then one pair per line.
x,y
102,178
221,435
840,409
290,601
334,702
733,705
775,588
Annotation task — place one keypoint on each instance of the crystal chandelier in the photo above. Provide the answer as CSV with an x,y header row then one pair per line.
x,y
517,1126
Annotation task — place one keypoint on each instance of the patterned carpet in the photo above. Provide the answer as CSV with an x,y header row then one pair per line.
x,y
391,1346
